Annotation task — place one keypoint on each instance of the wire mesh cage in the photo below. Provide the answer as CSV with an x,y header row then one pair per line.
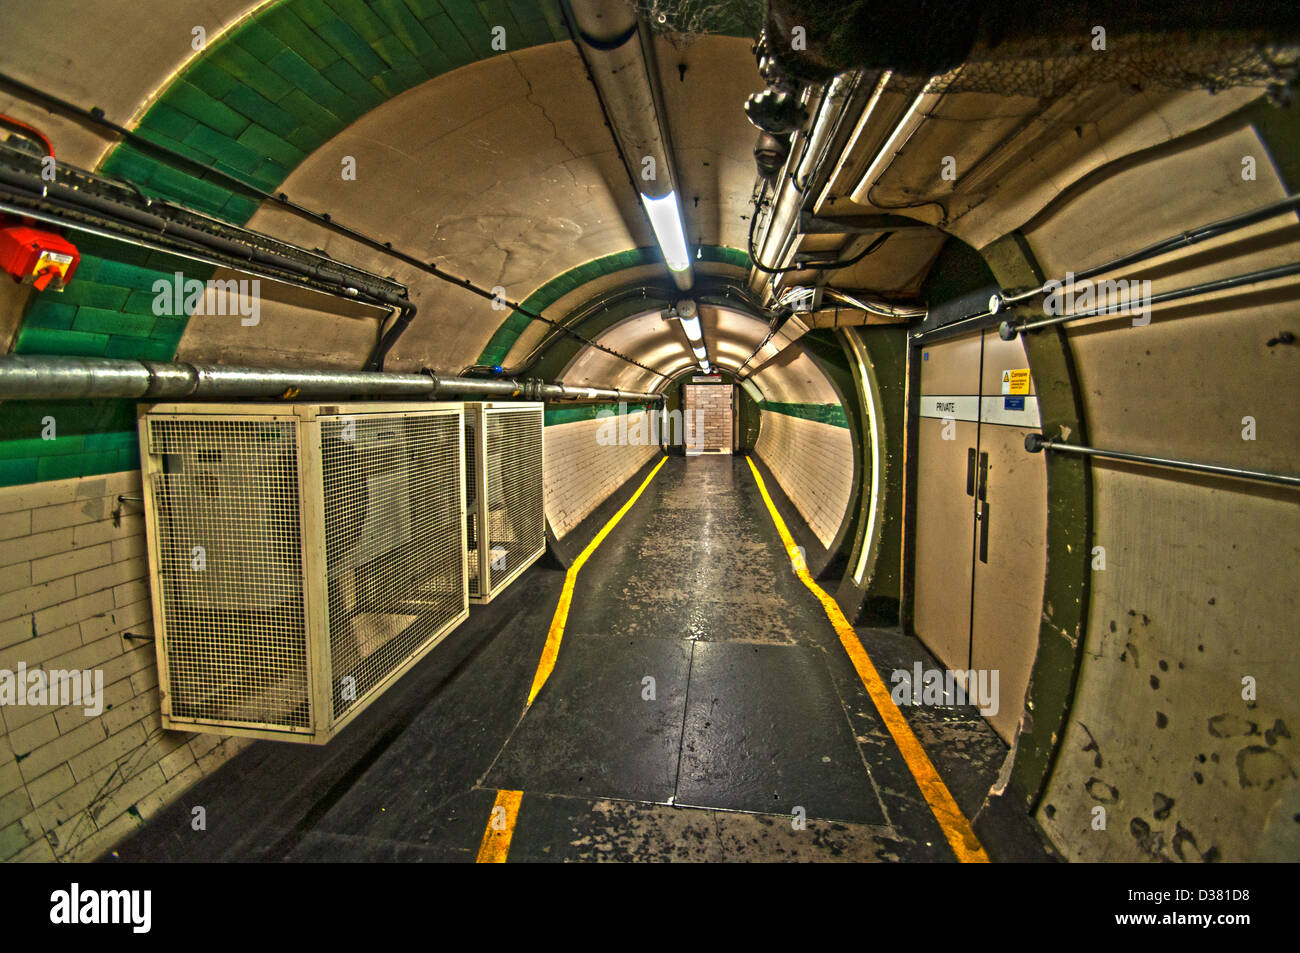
x,y
506,522
302,557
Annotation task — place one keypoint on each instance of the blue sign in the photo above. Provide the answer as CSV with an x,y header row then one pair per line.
x,y
1013,403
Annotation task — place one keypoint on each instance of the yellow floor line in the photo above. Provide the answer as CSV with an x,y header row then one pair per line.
x,y
556,633
961,837
500,828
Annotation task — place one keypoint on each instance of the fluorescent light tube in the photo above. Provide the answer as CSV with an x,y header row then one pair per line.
x,y
700,352
692,328
666,219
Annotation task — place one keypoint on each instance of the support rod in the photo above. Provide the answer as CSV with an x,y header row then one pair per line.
x,y
1035,443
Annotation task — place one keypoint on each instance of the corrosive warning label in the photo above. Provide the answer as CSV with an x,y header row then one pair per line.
x,y
1015,381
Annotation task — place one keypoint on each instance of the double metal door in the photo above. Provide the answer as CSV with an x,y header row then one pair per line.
x,y
981,516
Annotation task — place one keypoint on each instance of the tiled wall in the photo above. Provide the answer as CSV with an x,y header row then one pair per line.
x,y
813,462
581,473
74,581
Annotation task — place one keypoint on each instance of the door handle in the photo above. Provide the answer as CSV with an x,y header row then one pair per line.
x,y
970,472
983,483
983,516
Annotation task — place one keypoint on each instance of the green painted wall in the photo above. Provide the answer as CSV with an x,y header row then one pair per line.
x,y
253,105
508,333
561,414
832,414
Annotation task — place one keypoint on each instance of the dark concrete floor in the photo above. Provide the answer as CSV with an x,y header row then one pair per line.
x,y
756,715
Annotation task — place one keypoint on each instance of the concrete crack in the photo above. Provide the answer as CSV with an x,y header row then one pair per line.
x,y
555,132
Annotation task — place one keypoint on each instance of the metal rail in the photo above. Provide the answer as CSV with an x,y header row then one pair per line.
x,y
1036,443
1007,330
1192,236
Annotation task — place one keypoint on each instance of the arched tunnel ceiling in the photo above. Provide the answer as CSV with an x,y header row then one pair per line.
x,y
730,336
503,172
500,170
117,55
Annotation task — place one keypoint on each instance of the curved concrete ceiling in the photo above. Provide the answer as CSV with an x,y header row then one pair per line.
x,y
500,170
118,59
503,172
730,337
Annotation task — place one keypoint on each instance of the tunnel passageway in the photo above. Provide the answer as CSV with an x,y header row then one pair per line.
x,y
437,430
701,708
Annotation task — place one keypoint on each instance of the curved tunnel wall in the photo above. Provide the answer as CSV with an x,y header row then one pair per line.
x,y
589,453
804,439
1180,729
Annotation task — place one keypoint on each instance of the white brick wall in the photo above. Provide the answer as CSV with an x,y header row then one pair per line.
x,y
813,462
74,580
580,473
707,416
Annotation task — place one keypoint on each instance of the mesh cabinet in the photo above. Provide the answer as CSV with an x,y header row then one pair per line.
x,y
302,557
506,524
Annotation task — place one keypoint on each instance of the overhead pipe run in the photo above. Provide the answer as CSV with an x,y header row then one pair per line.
x,y
619,53
1007,331
43,377
782,223
95,206
877,306
96,119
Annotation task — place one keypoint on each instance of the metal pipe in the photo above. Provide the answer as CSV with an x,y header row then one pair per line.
x,y
1036,442
1007,330
55,197
780,227
45,377
878,306
177,252
619,56
1193,236
903,130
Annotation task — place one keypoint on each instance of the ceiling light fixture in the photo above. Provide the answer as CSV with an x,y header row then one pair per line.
x,y
666,219
692,328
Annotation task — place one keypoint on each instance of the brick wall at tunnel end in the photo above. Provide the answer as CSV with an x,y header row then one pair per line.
x,y
813,462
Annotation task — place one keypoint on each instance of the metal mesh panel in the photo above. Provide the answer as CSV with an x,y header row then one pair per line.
x,y
516,530
394,549
230,570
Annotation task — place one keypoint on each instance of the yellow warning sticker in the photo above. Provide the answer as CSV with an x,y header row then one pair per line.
x,y
1015,381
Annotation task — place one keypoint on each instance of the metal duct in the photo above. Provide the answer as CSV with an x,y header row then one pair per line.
x,y
620,57
42,377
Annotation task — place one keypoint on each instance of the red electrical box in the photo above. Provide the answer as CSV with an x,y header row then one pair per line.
x,y
36,257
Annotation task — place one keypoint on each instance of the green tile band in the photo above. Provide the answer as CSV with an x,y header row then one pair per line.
x,y
832,414
513,326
